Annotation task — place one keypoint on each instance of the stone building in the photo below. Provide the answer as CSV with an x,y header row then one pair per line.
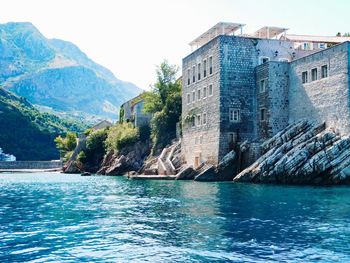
x,y
132,111
246,87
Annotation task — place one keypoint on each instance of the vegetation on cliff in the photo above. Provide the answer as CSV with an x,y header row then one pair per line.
x,y
124,146
27,133
164,102
66,145
121,135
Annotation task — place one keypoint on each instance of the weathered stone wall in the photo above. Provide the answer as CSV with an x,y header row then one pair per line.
x,y
40,165
325,99
274,99
238,86
235,82
201,141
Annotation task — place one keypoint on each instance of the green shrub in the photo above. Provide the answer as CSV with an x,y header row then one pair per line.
x,y
81,157
66,145
95,148
121,135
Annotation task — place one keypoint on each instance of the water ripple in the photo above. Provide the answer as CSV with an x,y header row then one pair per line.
x,y
68,218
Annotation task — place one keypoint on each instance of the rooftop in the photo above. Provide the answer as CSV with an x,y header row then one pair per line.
x,y
317,39
266,32
269,32
220,28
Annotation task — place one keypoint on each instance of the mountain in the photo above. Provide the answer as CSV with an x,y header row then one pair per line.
x,y
27,133
56,75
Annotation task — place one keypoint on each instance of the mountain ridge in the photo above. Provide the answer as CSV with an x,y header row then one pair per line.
x,y
55,73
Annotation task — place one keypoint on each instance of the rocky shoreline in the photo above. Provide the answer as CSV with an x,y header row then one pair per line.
x,y
304,153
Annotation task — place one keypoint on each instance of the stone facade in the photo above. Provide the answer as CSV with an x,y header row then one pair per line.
x,y
233,85
132,111
200,138
272,80
254,90
324,99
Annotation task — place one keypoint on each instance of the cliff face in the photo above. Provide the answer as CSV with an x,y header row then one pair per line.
x,y
303,153
57,74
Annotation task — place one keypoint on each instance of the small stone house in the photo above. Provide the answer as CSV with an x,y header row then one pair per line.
x,y
132,111
246,87
102,125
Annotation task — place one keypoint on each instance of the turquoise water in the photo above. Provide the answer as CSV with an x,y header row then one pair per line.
x,y
69,218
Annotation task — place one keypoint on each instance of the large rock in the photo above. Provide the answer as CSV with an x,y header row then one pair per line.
x,y
303,153
129,159
71,167
186,173
224,171
208,174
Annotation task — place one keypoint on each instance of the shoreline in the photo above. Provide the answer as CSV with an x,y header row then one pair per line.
x,y
30,170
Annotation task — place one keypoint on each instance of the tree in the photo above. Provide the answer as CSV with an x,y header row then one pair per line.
x,y
164,102
66,145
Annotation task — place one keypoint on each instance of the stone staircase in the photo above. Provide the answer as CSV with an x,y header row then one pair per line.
x,y
165,164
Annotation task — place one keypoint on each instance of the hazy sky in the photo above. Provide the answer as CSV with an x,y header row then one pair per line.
x,y
131,37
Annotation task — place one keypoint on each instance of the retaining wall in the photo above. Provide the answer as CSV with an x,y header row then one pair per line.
x,y
40,165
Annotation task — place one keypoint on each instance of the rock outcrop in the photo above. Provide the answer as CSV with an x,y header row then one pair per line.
x,y
129,159
224,171
303,153
186,173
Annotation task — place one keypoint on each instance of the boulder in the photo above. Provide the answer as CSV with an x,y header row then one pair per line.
x,y
118,167
186,173
71,168
207,174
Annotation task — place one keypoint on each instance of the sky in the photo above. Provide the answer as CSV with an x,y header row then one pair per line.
x,y
132,37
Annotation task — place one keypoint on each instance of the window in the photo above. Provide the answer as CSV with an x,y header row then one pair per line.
x,y
199,71
306,46
193,123
200,139
262,114
324,71
262,87
210,89
198,94
204,92
283,60
304,77
322,45
232,138
193,96
194,74
264,60
198,120
210,65
234,115
204,68
314,74
188,98
188,77
196,140
204,118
